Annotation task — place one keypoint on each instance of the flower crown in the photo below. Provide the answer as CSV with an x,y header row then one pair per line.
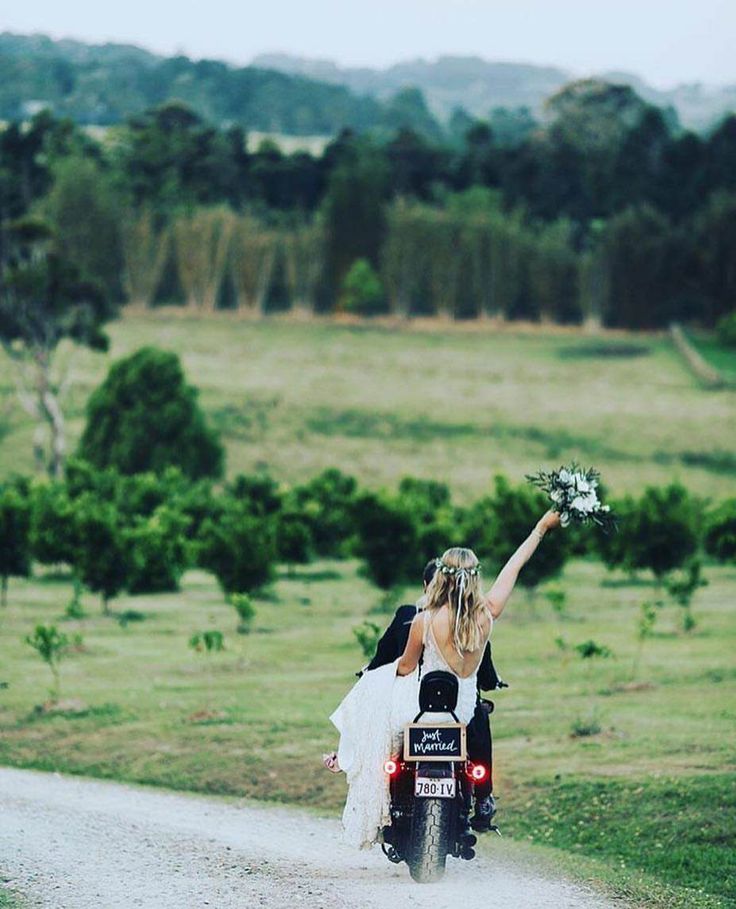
x,y
452,570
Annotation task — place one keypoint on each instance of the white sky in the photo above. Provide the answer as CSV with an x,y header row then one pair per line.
x,y
665,41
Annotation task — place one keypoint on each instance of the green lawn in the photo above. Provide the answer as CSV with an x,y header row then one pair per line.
x,y
253,720
455,403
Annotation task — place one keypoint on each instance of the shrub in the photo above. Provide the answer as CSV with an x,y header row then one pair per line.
x,y
239,549
387,540
145,417
211,641
496,526
590,649
246,611
362,290
367,635
54,538
258,494
720,532
428,502
726,330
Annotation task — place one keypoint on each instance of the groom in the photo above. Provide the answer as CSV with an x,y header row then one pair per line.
x,y
390,648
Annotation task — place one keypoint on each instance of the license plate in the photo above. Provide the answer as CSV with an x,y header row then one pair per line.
x,y
426,787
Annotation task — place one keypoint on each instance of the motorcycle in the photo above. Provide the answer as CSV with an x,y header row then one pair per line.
x,y
431,786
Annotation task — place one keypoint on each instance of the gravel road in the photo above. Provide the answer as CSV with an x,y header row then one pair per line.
x,y
72,843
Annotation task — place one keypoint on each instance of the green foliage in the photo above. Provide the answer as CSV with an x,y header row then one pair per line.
x,y
158,551
15,550
144,417
50,644
327,502
388,540
54,533
496,525
584,727
726,330
362,290
102,556
661,531
682,586
246,611
557,598
720,532
590,649
239,549
367,636
294,543
429,505
208,642
258,494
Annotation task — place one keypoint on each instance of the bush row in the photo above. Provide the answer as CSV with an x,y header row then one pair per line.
x,y
141,532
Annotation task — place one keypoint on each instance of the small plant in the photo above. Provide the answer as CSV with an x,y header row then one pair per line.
x,y
367,636
130,615
207,641
581,728
645,628
246,611
590,649
50,645
557,598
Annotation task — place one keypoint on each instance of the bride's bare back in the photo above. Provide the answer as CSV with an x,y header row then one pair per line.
x,y
466,664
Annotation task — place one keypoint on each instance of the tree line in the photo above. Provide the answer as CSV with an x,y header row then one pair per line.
x,y
606,211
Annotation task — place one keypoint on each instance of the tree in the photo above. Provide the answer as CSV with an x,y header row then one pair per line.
x,y
145,417
53,536
387,539
327,502
15,552
294,543
362,291
50,644
102,557
42,301
720,532
497,525
158,551
661,531
239,549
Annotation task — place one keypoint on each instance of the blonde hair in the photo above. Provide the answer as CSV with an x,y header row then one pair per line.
x,y
456,583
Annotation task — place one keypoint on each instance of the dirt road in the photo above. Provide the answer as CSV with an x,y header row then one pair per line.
x,y
70,843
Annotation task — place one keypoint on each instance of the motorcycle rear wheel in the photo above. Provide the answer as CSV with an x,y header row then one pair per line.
x,y
429,841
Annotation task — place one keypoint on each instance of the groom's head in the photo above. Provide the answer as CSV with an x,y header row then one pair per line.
x,y
429,572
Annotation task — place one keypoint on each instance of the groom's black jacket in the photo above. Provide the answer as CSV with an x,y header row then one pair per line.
x,y
394,639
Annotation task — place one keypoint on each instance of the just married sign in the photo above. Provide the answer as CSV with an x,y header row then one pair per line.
x,y
442,742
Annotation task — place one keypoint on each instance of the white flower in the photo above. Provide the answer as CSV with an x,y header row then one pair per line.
x,y
582,484
605,508
565,477
557,495
564,518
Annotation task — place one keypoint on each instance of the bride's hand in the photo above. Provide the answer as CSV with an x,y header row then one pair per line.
x,y
549,520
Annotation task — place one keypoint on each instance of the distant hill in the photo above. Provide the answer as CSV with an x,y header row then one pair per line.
x,y
480,85
104,84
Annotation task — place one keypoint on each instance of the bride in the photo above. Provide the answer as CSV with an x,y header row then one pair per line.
x,y
450,634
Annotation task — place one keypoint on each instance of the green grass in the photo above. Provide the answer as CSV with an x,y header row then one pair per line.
x,y
252,721
717,354
456,403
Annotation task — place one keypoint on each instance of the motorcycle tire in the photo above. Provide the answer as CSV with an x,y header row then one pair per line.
x,y
429,841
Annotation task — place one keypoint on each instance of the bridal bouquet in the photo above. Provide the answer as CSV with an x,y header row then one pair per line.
x,y
573,494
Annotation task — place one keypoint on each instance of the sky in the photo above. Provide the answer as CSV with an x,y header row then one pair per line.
x,y
664,41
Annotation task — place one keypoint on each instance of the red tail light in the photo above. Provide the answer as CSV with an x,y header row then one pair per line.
x,y
478,773
390,767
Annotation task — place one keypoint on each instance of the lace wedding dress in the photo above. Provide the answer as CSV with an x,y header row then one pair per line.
x,y
370,720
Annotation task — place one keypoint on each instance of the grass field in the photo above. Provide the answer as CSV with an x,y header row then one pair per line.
x,y
718,355
633,768
457,403
629,771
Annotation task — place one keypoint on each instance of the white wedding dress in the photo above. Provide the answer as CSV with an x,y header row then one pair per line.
x,y
370,720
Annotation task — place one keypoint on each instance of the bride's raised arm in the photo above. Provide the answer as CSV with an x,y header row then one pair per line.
x,y
505,582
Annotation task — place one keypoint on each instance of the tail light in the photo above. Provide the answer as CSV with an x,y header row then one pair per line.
x,y
390,767
478,773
